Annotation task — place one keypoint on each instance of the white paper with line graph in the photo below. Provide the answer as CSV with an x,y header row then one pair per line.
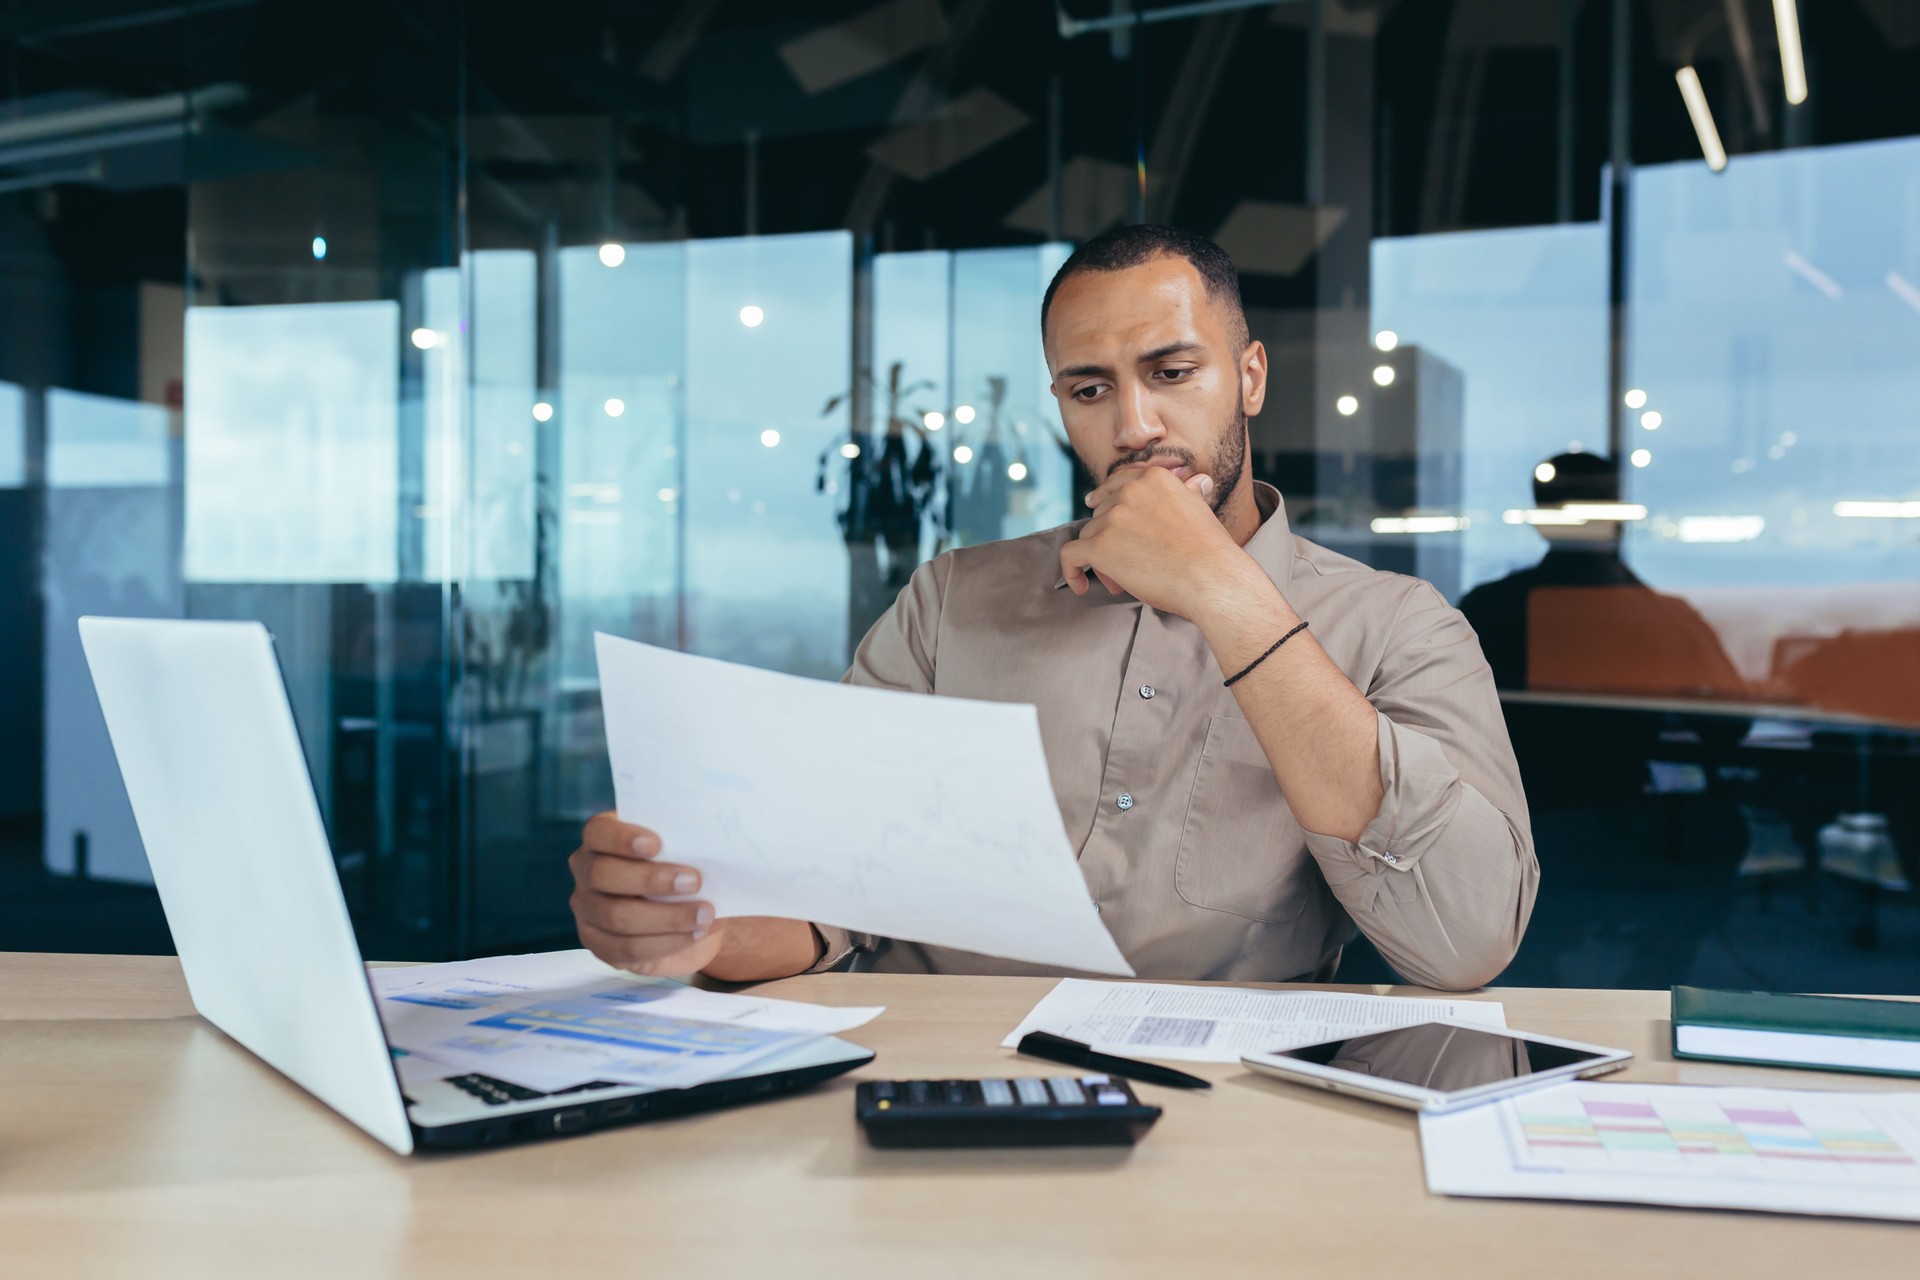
x,y
921,818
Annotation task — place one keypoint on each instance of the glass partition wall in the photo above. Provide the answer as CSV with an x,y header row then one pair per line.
x,y
440,336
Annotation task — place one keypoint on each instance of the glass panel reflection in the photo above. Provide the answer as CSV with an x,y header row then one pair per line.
x,y
1019,479
13,436
489,538
769,362
1521,314
1773,326
292,443
98,442
111,547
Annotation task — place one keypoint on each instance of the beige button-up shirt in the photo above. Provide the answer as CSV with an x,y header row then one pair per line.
x,y
1198,865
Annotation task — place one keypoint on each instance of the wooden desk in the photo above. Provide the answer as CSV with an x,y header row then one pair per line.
x,y
137,1140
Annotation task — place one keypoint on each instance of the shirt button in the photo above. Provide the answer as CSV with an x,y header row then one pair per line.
x,y
1146,691
1125,801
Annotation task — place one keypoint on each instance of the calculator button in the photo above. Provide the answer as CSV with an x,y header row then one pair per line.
x,y
997,1093
883,1089
1033,1092
1066,1091
1110,1098
957,1093
918,1093
1093,1080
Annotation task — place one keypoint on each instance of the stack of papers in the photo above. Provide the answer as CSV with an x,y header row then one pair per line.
x,y
1219,1024
1787,1151
549,1022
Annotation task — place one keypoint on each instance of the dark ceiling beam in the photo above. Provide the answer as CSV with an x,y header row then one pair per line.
x,y
1194,85
64,19
933,79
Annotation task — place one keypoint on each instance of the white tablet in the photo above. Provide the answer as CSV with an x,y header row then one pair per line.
x,y
1437,1066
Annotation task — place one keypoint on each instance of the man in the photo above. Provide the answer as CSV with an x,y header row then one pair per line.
x,y
1243,789
1675,643
1581,621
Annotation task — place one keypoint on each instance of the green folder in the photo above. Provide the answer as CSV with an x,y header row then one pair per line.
x,y
1819,1033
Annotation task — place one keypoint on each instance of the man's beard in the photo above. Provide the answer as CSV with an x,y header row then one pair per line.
x,y
1229,458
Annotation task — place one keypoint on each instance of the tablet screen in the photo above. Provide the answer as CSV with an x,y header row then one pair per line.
x,y
1443,1058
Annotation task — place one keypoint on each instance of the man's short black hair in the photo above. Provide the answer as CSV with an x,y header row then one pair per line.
x,y
1125,247
1576,477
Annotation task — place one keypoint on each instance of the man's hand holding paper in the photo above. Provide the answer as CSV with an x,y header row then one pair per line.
x,y
634,912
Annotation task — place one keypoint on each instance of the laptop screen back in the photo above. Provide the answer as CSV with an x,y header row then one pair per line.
x,y
206,742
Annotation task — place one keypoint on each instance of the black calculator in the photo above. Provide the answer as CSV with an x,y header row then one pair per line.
x,y
1032,1111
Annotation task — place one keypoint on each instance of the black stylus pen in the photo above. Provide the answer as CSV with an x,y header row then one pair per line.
x,y
1044,1044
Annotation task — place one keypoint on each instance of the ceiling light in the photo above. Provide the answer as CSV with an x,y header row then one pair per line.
x,y
1793,65
849,450
1606,510
319,248
666,495
934,419
1883,510
1017,471
963,455
425,339
615,407
1419,524
1811,274
1636,398
1383,375
1703,128
1542,515
612,255
1640,457
1386,339
1904,289
1347,405
751,316
1545,473
963,414
542,412
1721,528
1651,419
770,437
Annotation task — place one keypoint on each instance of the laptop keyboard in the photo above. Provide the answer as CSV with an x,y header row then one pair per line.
x,y
498,1093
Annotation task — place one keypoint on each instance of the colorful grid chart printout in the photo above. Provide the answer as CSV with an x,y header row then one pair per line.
x,y
1840,1153
1837,1141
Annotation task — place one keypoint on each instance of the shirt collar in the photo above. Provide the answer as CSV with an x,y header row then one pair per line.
x,y
1271,545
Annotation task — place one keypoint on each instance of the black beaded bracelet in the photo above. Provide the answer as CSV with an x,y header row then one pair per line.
x,y
1228,683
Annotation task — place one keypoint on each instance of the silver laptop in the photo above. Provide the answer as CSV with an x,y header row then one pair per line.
x,y
206,741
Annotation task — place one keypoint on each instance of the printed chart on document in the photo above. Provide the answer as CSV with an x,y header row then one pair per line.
x,y
1608,1130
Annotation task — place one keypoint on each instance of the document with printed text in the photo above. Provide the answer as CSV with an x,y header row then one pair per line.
x,y
1219,1024
926,819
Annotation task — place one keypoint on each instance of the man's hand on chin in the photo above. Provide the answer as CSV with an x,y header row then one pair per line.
x,y
1154,537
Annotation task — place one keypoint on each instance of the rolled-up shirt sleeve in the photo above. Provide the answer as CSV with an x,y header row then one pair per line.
x,y
1443,879
897,653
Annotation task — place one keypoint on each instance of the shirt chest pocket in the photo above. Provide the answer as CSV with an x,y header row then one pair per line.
x,y
1241,850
